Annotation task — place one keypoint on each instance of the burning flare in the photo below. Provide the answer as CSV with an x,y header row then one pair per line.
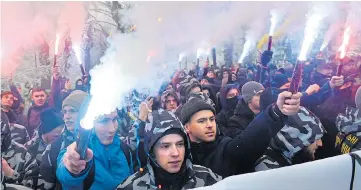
x,y
57,44
345,42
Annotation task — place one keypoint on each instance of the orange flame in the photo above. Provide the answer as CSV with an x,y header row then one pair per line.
x,y
57,44
345,42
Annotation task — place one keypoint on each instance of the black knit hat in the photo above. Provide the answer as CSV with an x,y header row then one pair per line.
x,y
49,120
193,106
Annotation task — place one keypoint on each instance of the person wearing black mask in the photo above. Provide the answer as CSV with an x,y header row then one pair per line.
x,y
229,96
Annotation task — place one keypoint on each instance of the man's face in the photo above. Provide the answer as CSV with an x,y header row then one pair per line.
x,y
170,103
39,98
195,90
232,93
311,149
70,115
53,134
225,74
7,100
204,82
106,127
202,127
169,152
210,74
254,103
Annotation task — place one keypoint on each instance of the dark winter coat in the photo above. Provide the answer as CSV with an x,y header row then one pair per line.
x,y
228,107
226,156
242,117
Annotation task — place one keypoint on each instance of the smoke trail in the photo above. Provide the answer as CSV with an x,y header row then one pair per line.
x,y
253,34
276,16
329,35
319,11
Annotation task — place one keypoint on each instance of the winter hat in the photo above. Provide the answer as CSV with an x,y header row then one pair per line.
x,y
279,80
186,84
358,98
49,120
166,94
223,93
250,89
161,123
268,97
201,96
301,130
75,99
193,106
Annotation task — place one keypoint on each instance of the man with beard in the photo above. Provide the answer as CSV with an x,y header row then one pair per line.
x,y
226,156
247,108
296,143
169,159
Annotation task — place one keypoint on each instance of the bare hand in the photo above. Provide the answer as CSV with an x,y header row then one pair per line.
x,y
224,81
145,108
289,103
56,72
8,171
313,89
72,160
336,81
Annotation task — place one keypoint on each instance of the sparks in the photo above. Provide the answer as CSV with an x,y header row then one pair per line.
x,y
274,21
57,44
181,56
345,42
310,35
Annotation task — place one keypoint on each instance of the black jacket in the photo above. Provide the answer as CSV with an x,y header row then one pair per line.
x,y
242,117
227,157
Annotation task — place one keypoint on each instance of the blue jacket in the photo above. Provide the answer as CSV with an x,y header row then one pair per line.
x,y
111,167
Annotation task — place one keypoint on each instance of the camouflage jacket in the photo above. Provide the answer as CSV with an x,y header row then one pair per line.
x,y
47,179
36,147
349,127
25,167
198,176
19,133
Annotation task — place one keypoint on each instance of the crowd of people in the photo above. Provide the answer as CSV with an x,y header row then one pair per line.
x,y
203,126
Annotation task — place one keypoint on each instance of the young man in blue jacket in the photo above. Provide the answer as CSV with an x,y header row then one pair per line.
x,y
108,160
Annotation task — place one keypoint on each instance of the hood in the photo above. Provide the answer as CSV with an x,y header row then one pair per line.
x,y
349,122
211,90
301,130
161,121
169,93
201,96
223,94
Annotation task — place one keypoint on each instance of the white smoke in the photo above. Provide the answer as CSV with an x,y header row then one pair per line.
x,y
276,17
163,30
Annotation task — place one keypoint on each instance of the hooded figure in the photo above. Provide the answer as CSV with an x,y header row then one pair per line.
x,y
210,92
296,143
169,103
229,96
24,166
171,170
